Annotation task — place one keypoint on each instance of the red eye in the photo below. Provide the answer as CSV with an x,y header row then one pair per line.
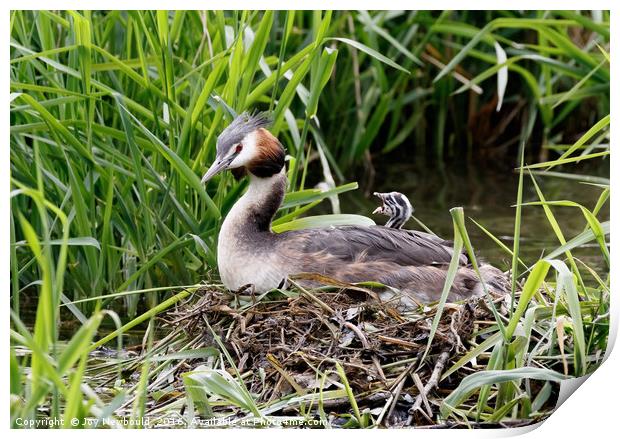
x,y
238,148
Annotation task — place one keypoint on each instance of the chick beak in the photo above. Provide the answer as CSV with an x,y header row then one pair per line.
x,y
379,210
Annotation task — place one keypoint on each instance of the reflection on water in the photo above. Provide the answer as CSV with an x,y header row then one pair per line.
x,y
487,197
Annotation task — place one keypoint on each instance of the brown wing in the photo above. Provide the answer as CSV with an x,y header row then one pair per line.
x,y
348,244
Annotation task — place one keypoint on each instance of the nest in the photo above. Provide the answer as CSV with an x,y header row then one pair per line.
x,y
381,349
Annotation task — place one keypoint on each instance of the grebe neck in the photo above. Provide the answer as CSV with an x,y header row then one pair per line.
x,y
254,211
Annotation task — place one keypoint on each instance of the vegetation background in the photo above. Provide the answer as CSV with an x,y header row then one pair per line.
x,y
115,115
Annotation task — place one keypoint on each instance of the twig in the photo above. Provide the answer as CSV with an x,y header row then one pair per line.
x,y
418,382
366,345
315,299
397,387
430,385
393,400
398,341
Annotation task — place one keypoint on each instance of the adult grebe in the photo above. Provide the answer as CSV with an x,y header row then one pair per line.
x,y
249,252
396,206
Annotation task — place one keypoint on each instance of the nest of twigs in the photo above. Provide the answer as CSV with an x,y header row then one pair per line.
x,y
383,351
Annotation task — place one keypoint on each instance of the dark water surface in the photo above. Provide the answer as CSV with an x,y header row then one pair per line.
x,y
487,196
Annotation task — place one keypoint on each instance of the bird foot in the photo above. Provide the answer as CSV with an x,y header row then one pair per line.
x,y
248,289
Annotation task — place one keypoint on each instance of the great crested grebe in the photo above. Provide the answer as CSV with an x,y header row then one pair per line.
x,y
396,206
249,252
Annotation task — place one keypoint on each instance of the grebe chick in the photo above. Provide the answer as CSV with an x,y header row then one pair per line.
x,y
249,252
396,206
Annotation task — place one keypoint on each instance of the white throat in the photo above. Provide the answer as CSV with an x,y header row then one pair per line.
x,y
259,191
245,242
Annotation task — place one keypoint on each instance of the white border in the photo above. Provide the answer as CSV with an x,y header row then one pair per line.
x,y
316,4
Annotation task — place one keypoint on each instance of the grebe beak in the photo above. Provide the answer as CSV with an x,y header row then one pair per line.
x,y
218,166
378,210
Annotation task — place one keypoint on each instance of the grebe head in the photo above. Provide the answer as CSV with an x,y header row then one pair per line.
x,y
245,143
396,206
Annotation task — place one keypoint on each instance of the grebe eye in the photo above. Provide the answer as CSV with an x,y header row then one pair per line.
x,y
239,148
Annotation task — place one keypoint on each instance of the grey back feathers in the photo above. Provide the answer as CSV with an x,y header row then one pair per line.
x,y
343,245
241,126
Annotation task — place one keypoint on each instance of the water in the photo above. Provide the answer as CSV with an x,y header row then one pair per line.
x,y
487,196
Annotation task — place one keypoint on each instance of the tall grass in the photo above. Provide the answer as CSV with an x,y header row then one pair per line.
x,y
471,75
119,129
114,116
